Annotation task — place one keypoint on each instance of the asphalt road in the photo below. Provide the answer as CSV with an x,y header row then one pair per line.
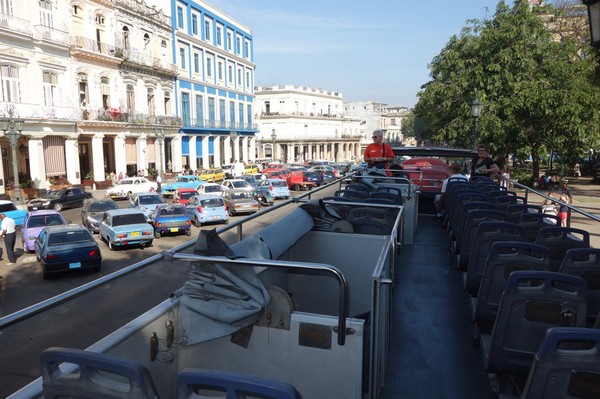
x,y
82,321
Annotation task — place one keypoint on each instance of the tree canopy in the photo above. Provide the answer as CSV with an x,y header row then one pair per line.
x,y
535,74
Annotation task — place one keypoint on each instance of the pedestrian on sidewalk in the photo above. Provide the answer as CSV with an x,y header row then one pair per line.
x,y
9,235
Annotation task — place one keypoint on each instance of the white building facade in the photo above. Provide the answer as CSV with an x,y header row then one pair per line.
x,y
298,123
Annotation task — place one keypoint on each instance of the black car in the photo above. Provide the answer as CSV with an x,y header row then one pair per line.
x,y
59,199
93,210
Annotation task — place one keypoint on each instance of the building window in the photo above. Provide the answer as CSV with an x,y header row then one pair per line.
x,y
248,81
163,43
229,41
46,18
238,45
209,71
207,29
167,100
196,63
11,87
199,111
220,70
105,92
150,101
194,24
182,57
179,17
125,38
246,49
230,74
130,98
99,19
50,89
83,89
219,37
75,10
240,82
146,39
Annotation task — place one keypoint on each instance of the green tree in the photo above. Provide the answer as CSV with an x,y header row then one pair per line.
x,y
537,91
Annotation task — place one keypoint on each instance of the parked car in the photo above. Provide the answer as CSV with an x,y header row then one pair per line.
x,y
328,175
240,201
67,247
250,169
210,189
212,175
263,195
297,180
236,184
128,186
315,177
34,222
93,210
183,194
207,209
427,173
277,187
147,203
188,181
171,219
10,209
120,227
60,199
233,170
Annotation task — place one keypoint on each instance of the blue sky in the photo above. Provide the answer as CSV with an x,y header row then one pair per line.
x,y
367,50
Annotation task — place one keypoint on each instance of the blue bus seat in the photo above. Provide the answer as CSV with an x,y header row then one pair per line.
x,y
465,241
562,370
459,218
486,234
533,222
358,187
585,263
389,189
372,200
531,304
99,375
369,220
514,211
193,382
560,240
503,201
504,258
352,194
395,198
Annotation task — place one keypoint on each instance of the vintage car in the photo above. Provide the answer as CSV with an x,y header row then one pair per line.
x,y
60,199
147,203
65,248
183,194
207,209
277,187
10,209
188,181
126,187
240,201
236,184
172,219
93,210
426,173
121,227
34,222
210,189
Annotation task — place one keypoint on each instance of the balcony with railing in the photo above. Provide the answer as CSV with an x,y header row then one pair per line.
x,y
142,58
211,124
85,46
12,25
51,35
129,117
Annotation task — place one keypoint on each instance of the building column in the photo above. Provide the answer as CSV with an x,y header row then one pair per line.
x,y
245,144
236,149
176,155
120,158
37,166
141,147
217,151
193,155
252,151
205,152
72,160
98,157
227,147
159,154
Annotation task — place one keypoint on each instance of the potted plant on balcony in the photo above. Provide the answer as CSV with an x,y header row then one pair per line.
x,y
28,190
59,182
88,179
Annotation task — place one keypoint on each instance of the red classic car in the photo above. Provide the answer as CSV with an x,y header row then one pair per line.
x,y
427,173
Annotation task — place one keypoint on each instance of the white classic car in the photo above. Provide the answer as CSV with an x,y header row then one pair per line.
x,y
129,186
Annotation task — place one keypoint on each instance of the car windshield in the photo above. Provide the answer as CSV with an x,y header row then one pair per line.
x,y
54,194
187,194
172,211
250,179
44,220
150,199
133,218
239,184
279,183
102,206
125,182
69,237
212,203
182,179
241,195
7,207
212,189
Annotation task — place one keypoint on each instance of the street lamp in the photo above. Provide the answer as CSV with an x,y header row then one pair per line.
x,y
159,133
594,20
12,129
274,138
476,106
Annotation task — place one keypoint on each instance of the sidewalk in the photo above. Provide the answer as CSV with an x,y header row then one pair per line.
x,y
586,196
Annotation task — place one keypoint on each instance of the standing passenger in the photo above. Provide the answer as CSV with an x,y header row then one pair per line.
x,y
483,164
378,154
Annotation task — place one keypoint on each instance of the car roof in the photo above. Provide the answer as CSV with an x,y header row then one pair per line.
x,y
43,212
6,202
65,227
184,189
206,196
237,190
174,205
147,193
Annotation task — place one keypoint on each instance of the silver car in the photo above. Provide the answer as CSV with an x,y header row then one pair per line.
x,y
207,209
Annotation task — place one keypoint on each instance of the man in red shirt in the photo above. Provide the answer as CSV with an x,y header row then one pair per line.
x,y
378,154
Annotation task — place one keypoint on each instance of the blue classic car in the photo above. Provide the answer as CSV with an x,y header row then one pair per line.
x,y
10,209
120,227
147,203
184,181
35,222
67,247
171,219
